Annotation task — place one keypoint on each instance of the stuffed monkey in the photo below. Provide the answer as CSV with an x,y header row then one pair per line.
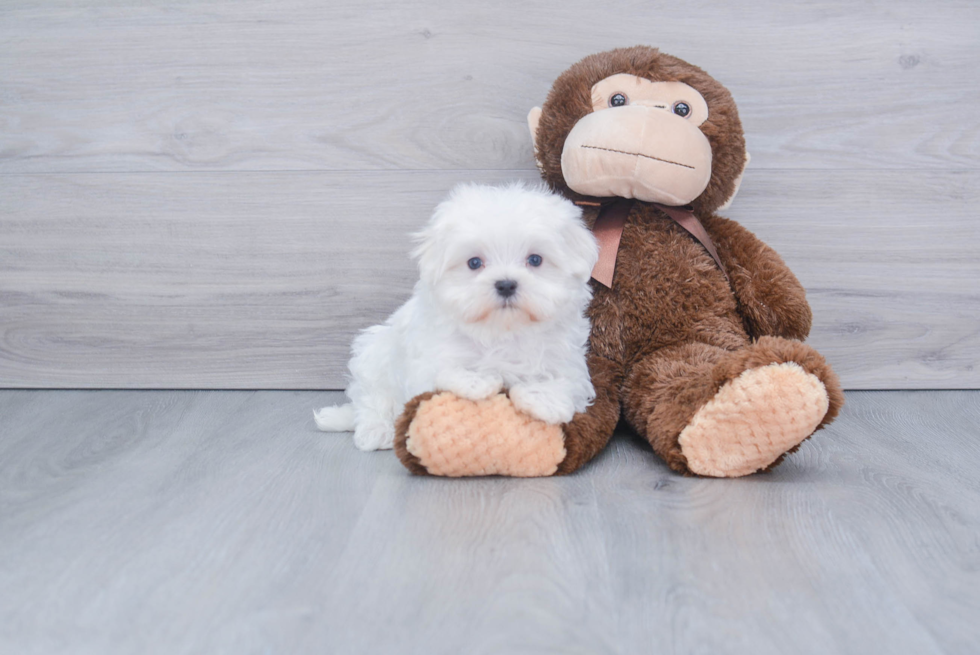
x,y
697,326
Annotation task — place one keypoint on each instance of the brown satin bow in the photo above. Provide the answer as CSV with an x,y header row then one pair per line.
x,y
608,230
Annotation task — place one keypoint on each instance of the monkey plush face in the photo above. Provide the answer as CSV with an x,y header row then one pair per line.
x,y
642,140
636,123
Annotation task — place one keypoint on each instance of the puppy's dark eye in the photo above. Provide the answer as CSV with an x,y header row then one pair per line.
x,y
534,260
475,263
682,109
617,100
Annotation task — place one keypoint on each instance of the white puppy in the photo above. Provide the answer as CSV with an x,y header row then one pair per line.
x,y
499,304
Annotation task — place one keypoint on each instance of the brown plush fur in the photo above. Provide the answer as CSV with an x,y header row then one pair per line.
x,y
672,330
410,461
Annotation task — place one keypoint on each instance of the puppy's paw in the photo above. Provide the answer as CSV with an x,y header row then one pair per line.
x,y
468,384
374,436
544,402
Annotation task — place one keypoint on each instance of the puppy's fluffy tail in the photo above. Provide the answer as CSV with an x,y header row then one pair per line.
x,y
335,419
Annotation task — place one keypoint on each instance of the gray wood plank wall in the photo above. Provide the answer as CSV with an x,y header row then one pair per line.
x,y
217,194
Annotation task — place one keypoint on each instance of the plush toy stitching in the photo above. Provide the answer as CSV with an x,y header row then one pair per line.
x,y
640,154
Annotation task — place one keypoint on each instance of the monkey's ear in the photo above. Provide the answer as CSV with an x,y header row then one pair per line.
x,y
738,183
533,118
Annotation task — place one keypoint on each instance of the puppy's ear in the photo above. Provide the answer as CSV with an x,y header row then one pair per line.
x,y
580,244
425,254
435,241
430,249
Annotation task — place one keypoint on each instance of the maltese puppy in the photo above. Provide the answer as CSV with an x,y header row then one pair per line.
x,y
499,305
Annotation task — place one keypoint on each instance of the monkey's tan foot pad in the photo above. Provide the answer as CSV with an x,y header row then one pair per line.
x,y
454,437
753,420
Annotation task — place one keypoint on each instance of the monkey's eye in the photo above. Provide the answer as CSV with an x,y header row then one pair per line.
x,y
475,263
682,109
534,260
617,100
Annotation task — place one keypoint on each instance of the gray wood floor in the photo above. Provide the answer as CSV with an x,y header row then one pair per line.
x,y
222,522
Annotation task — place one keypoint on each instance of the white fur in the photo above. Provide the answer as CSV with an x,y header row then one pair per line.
x,y
456,333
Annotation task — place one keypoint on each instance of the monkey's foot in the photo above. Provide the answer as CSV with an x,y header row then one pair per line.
x,y
753,420
442,434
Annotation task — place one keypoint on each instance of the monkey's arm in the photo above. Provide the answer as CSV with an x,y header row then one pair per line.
x,y
770,297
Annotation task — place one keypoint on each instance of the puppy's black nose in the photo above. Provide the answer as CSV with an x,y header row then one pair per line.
x,y
505,288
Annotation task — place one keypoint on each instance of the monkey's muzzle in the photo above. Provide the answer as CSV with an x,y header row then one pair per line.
x,y
638,152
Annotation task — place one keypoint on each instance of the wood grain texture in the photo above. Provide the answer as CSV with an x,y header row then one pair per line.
x,y
178,522
216,194
261,280
179,85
